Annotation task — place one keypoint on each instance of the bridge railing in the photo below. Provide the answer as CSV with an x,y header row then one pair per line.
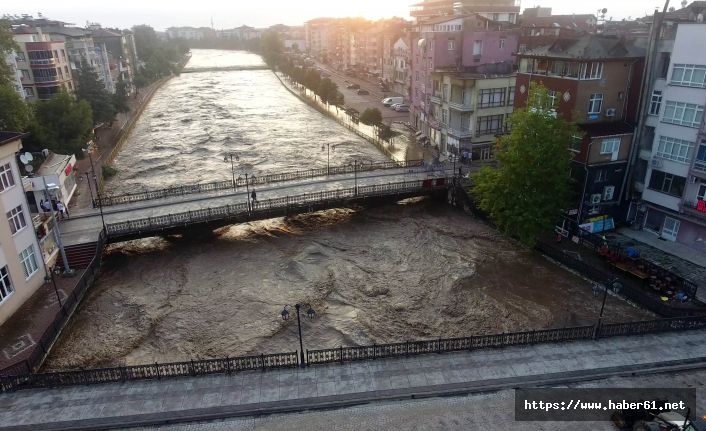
x,y
230,211
254,180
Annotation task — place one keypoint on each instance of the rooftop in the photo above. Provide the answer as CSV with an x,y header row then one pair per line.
x,y
588,47
53,164
7,137
561,21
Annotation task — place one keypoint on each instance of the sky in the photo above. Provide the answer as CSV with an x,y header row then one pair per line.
x,y
161,14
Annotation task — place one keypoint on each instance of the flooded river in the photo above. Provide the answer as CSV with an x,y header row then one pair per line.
x,y
409,271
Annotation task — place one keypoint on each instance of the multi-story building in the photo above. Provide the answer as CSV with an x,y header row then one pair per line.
x,y
593,81
505,11
119,48
462,82
191,33
670,170
400,67
43,64
538,28
81,47
21,269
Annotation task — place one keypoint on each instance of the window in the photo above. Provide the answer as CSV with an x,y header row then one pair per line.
x,y
575,144
5,284
491,98
601,175
656,102
684,114
20,56
7,180
511,96
502,43
28,262
689,75
553,98
478,47
490,125
592,70
610,146
675,149
700,162
452,44
16,218
595,103
29,92
702,192
667,183
608,192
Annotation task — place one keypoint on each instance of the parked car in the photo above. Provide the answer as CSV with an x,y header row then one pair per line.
x,y
353,87
402,107
363,92
389,101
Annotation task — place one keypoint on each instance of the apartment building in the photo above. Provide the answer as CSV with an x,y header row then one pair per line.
x,y
43,63
399,68
81,46
670,171
21,269
118,46
191,33
594,81
15,73
462,83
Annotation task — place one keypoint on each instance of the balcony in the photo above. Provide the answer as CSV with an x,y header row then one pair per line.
x,y
699,166
46,79
43,62
435,99
461,133
460,106
697,208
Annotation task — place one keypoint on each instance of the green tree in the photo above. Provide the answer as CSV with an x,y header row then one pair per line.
x,y
61,124
120,98
371,117
271,48
7,44
524,196
15,115
327,90
91,89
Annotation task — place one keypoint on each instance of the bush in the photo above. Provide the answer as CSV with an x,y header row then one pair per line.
x,y
109,171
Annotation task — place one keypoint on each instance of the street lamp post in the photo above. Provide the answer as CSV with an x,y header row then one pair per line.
x,y
355,176
50,277
232,165
328,157
98,190
310,313
90,190
616,285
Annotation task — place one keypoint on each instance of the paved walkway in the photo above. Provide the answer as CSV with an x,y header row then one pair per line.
x,y
256,393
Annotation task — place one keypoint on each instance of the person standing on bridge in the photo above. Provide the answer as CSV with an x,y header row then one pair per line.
x,y
253,196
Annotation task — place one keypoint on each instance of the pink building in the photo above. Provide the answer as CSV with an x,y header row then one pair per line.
x,y
458,64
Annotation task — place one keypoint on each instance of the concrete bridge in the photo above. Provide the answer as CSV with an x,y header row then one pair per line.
x,y
214,209
223,69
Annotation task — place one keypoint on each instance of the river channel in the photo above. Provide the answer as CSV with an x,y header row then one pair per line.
x,y
408,271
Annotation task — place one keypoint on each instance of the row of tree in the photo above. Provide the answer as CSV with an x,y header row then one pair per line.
x,y
160,57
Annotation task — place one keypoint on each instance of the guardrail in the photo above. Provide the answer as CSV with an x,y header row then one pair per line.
x,y
150,371
441,345
109,200
152,224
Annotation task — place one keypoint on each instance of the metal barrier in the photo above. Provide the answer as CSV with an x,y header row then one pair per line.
x,y
109,200
151,371
152,224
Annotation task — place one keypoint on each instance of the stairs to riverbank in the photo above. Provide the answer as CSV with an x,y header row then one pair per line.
x,y
78,255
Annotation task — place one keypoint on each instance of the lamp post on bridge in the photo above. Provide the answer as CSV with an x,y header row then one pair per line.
x,y
232,164
98,190
310,313
328,156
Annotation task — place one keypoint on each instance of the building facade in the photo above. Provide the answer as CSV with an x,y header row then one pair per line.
x,y
462,83
672,152
593,81
21,268
43,63
504,11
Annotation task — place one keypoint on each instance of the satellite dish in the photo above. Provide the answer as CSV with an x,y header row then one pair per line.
x,y
604,11
23,159
29,169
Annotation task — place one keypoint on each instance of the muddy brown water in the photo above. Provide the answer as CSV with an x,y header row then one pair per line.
x,y
404,272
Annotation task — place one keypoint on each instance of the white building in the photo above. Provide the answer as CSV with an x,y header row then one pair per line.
x,y
21,268
674,188
56,171
11,61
